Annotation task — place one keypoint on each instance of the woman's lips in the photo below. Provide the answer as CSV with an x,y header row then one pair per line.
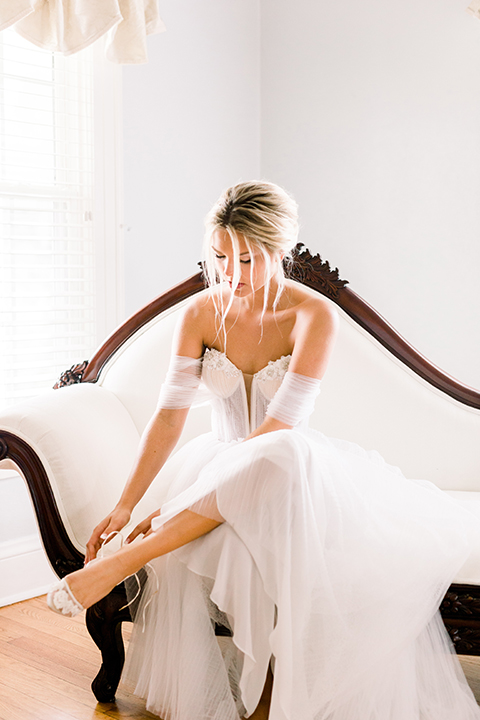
x,y
240,285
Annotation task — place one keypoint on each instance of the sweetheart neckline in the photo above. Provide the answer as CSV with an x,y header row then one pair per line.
x,y
269,364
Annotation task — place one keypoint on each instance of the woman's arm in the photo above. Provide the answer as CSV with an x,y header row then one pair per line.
x,y
158,440
313,336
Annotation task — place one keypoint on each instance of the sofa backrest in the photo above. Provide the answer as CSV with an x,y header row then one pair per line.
x,y
368,397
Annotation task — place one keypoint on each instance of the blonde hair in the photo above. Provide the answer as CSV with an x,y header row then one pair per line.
x,y
266,216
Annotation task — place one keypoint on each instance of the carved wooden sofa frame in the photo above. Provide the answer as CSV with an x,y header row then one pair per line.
x,y
460,608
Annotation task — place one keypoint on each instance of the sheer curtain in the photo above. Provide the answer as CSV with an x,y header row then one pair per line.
x,y
47,248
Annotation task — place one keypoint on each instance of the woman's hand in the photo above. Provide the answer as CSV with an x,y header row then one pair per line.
x,y
143,528
112,523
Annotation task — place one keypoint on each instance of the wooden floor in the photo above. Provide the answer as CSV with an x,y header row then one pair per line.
x,y
47,663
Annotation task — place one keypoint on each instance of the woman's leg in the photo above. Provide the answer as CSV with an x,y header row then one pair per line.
x,y
263,707
94,581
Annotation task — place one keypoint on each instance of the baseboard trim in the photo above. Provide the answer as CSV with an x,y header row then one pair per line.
x,y
19,597
24,570
19,546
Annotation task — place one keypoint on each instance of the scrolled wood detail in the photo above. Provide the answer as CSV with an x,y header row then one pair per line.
x,y
311,270
461,603
64,566
466,640
72,376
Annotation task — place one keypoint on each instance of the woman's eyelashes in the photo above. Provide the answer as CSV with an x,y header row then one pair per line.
x,y
243,262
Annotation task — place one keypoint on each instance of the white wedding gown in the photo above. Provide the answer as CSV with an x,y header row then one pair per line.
x,y
330,566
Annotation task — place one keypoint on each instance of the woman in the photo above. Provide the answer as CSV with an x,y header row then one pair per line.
x,y
326,562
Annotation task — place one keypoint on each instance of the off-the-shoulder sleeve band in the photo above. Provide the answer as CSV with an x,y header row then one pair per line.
x,y
295,399
181,383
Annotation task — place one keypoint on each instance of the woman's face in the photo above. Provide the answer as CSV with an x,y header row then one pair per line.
x,y
254,271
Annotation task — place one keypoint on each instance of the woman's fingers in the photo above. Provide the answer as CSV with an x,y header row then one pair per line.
x,y
94,543
105,531
140,529
143,528
110,526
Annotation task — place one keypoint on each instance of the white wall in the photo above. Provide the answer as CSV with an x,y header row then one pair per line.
x,y
371,117
191,128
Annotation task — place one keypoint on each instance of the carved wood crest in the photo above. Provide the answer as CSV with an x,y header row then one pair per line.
x,y
315,272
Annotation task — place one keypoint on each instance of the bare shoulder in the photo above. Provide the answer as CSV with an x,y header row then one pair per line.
x,y
195,325
312,309
315,331
192,327
200,307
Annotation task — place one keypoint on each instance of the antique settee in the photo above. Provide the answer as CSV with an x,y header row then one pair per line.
x,y
74,445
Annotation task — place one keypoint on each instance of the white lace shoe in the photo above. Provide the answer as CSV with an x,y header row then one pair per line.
x,y
61,600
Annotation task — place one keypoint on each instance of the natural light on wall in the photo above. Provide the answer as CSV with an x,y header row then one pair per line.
x,y
47,254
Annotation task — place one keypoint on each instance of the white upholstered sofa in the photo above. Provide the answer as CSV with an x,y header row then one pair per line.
x,y
74,445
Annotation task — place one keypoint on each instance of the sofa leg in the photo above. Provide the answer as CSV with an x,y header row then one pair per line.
x,y
104,623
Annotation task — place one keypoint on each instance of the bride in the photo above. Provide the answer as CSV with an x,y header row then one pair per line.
x,y
327,564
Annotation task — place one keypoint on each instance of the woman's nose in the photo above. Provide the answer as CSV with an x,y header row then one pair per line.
x,y
229,269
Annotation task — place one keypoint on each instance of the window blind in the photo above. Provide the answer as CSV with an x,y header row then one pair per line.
x,y
47,252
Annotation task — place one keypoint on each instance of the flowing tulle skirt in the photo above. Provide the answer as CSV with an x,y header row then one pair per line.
x,y
330,566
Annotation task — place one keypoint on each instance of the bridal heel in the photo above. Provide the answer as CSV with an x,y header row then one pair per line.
x,y
61,600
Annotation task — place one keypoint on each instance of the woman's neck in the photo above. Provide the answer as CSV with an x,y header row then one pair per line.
x,y
254,304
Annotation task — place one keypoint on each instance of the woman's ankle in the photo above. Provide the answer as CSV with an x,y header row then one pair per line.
x,y
95,580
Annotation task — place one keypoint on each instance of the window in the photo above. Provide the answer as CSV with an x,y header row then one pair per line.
x,y
59,216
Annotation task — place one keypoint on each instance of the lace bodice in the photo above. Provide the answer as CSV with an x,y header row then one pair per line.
x,y
234,416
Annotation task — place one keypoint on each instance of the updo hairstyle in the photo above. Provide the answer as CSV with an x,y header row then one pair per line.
x,y
266,216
